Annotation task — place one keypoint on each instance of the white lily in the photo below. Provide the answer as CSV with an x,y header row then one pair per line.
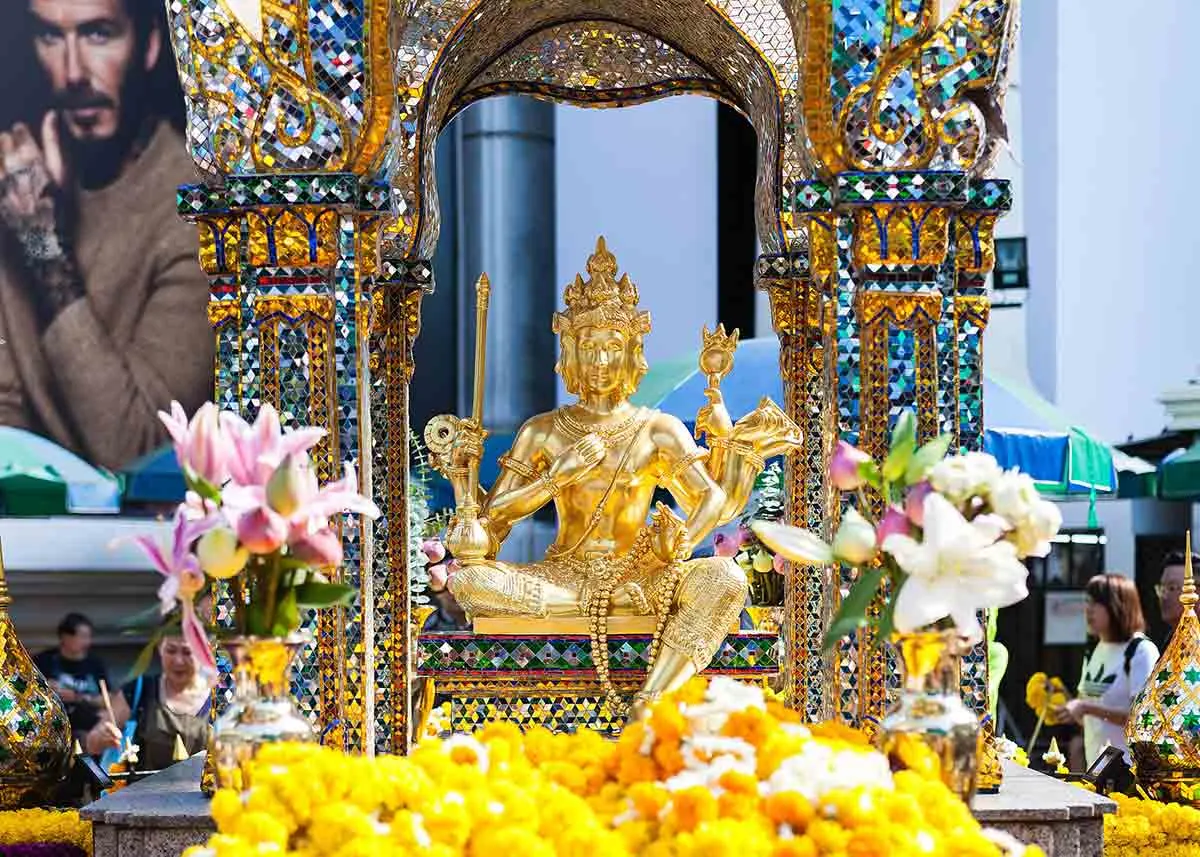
x,y
800,546
956,569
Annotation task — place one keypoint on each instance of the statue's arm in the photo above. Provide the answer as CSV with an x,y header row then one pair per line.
x,y
685,475
525,483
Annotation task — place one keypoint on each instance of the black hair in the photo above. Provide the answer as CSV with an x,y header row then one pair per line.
x,y
72,622
1177,558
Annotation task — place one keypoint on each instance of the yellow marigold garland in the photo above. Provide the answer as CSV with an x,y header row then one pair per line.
x,y
24,826
1146,828
1045,695
718,769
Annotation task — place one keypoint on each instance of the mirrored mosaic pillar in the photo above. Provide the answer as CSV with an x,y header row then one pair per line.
x,y
293,273
899,261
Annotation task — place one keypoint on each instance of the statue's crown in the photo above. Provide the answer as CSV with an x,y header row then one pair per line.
x,y
602,300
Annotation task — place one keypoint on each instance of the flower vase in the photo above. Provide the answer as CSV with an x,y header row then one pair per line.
x,y
930,730
262,711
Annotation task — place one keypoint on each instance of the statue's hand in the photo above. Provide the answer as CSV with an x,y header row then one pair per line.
x,y
467,449
669,535
713,419
578,459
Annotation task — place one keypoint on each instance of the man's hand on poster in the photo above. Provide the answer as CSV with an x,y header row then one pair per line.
x,y
32,178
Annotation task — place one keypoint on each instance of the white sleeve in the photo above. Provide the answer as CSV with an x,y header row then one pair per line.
x,y
1145,656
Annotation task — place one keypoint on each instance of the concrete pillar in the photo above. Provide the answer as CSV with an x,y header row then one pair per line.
x,y
505,219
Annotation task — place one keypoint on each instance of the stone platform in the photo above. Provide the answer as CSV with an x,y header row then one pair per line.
x,y
164,814
1063,819
159,816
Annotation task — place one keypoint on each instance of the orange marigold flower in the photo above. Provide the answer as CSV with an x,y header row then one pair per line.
x,y
752,725
648,799
693,806
668,723
800,846
869,842
636,768
669,758
739,783
737,805
791,808
836,731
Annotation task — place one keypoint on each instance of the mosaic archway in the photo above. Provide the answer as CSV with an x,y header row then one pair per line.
x,y
875,121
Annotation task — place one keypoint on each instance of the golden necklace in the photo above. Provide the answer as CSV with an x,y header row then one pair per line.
x,y
612,436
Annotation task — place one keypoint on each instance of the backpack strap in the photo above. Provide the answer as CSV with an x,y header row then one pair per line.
x,y
1131,650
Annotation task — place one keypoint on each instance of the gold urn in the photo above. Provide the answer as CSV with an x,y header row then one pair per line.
x,y
35,734
1163,730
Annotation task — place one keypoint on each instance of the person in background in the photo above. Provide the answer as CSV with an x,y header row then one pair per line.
x,y
174,703
1170,587
1117,668
102,298
74,672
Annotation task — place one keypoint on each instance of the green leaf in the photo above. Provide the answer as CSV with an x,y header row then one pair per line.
x,y
202,487
318,595
287,615
256,621
927,456
852,614
904,444
869,471
146,655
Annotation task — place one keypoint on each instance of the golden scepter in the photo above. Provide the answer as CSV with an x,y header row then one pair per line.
x,y
466,536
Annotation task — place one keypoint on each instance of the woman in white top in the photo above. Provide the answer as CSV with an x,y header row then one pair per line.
x,y
1117,668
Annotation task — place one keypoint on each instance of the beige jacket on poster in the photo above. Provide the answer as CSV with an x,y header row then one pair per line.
x,y
95,379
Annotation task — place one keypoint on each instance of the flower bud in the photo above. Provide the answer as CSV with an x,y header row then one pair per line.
x,y
763,561
914,503
220,554
844,469
894,523
262,531
724,545
322,548
285,488
855,539
434,550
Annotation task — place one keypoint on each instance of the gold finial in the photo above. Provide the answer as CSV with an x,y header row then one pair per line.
x,y
5,600
602,263
602,300
1188,597
483,289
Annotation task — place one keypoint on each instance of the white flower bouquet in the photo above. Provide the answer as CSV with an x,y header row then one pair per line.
x,y
950,541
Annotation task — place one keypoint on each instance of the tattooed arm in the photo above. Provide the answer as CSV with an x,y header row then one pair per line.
x,y
34,206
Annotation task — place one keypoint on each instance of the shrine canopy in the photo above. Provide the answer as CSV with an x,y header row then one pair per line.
x,y
1022,429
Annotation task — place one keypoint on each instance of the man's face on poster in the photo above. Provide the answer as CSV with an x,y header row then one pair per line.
x,y
90,50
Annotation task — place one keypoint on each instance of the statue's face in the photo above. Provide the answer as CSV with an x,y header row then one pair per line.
x,y
603,359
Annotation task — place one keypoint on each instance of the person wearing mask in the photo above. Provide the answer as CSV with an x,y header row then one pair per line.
x,y
173,704
1117,668
74,672
1170,587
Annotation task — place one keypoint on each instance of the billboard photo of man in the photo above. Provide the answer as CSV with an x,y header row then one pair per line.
x,y
102,299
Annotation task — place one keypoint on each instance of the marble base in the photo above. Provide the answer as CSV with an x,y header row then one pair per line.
x,y
159,816
1063,819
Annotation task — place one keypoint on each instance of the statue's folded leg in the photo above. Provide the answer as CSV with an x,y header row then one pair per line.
x,y
495,589
709,598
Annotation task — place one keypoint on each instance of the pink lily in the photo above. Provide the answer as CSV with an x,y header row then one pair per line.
x,y
914,503
259,449
296,509
434,550
321,548
725,545
182,579
200,445
844,469
894,522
